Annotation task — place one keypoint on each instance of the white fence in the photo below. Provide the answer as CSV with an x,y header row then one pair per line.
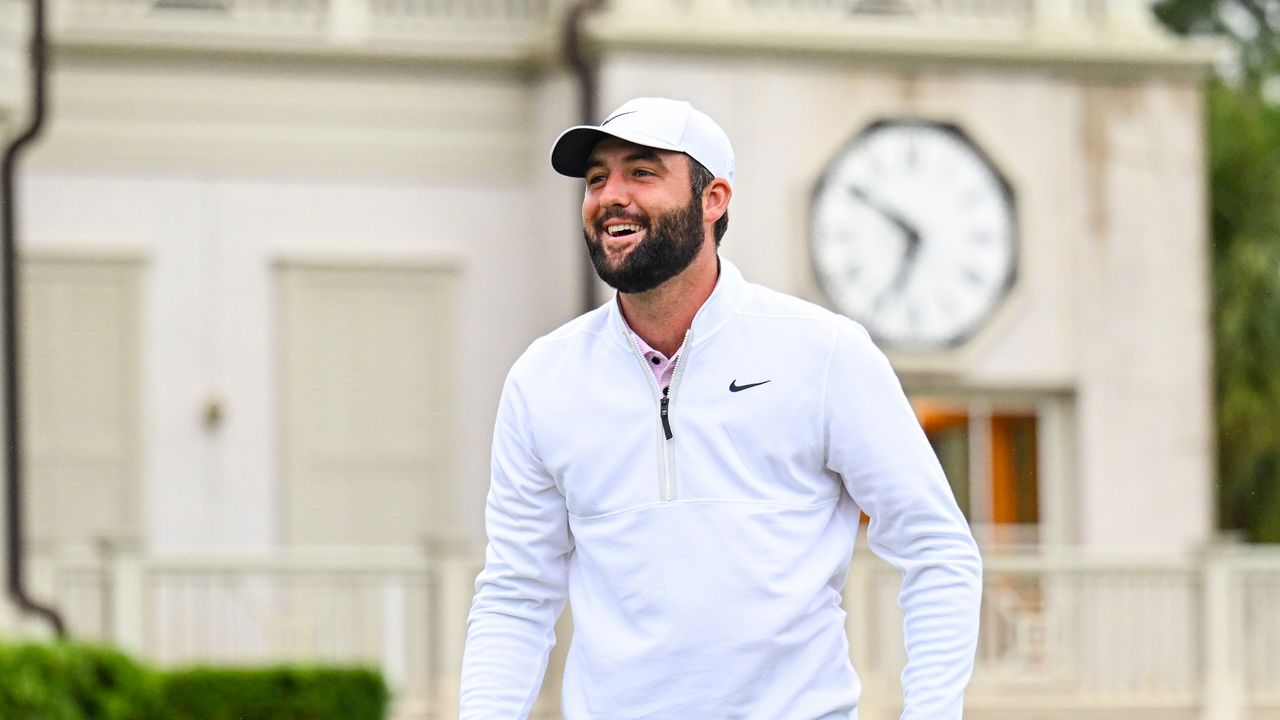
x,y
491,29
1095,14
1064,634
529,28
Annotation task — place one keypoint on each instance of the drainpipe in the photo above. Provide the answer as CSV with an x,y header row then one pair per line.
x,y
9,285
585,71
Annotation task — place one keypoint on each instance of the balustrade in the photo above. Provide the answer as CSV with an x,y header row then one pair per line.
x,y
1061,632
529,27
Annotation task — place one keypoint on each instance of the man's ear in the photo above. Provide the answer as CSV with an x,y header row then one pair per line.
x,y
715,199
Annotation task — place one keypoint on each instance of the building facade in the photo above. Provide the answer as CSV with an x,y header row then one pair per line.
x,y
279,256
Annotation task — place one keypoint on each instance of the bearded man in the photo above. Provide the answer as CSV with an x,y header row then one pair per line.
x,y
687,464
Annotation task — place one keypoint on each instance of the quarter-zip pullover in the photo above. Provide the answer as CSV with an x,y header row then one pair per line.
x,y
704,534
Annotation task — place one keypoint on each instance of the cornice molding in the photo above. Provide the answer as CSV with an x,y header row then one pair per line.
x,y
1118,36
1119,49
141,44
517,34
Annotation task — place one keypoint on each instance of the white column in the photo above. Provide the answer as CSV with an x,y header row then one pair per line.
x,y
980,492
457,585
1054,15
1055,442
128,598
1131,17
642,8
395,632
860,624
714,8
1220,620
14,35
349,21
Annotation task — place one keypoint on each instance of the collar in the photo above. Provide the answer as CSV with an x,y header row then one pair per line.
x,y
724,301
645,348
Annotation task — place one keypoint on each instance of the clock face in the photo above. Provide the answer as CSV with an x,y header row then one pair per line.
x,y
913,234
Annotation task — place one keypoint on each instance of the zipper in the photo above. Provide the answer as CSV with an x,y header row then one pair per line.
x,y
664,413
666,440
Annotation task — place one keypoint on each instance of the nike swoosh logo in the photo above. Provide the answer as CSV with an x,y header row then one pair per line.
x,y
735,387
615,117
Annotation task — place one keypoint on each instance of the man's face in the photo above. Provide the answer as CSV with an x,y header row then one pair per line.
x,y
640,220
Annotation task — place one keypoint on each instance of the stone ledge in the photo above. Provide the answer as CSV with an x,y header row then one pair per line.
x,y
526,34
1115,50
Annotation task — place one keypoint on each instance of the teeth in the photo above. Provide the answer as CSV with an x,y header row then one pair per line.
x,y
616,230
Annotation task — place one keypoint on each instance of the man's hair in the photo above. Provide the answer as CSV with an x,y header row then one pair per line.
x,y
699,178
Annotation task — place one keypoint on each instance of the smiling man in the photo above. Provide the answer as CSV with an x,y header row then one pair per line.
x,y
630,254
687,465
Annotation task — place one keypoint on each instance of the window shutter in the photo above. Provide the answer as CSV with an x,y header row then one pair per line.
x,y
366,384
80,332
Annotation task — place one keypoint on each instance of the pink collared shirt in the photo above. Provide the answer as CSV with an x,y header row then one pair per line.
x,y
663,367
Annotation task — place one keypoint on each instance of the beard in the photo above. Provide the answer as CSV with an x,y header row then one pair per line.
x,y
672,241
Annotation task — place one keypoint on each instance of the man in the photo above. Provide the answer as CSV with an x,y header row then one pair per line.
x,y
687,464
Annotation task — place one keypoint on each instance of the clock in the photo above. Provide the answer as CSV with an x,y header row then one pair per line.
x,y
913,234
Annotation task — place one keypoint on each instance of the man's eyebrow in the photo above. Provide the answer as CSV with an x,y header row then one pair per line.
x,y
645,153
641,154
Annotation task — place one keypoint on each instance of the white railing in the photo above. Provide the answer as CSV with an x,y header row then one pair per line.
x,y
476,15
1062,633
528,28
1069,632
401,611
501,28
998,11
1070,17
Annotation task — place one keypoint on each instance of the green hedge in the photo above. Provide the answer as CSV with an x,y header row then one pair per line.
x,y
81,682
75,682
285,693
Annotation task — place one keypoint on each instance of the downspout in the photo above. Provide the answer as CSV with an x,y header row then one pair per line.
x,y
9,280
584,70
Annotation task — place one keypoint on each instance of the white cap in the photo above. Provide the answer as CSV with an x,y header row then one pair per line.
x,y
652,122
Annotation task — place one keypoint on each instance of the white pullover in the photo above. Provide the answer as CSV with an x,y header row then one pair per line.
x,y
704,553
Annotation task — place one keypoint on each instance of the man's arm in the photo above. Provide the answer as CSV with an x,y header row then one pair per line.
x,y
521,591
875,442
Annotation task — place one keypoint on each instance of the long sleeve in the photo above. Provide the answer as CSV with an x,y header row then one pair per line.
x,y
877,446
521,590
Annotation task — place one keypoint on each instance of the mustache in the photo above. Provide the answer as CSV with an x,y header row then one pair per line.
x,y
640,219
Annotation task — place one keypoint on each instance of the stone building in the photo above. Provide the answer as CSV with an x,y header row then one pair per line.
x,y
278,256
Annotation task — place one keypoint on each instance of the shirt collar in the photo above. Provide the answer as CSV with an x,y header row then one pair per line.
x,y
645,348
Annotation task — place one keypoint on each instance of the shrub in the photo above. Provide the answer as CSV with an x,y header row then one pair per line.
x,y
74,682
284,693
65,681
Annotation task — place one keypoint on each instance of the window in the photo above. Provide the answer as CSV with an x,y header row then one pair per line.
x,y
990,453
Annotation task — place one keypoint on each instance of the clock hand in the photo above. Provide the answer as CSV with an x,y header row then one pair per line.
x,y
909,232
913,236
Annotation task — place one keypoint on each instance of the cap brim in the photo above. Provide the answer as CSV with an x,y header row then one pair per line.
x,y
573,148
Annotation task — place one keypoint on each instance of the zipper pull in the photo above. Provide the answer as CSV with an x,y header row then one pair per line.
x,y
666,405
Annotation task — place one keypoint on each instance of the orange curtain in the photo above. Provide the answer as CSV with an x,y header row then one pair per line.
x,y
1013,469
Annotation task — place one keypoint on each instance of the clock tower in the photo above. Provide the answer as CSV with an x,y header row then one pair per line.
x,y
1010,198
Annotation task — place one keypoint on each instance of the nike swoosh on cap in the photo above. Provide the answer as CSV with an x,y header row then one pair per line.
x,y
615,117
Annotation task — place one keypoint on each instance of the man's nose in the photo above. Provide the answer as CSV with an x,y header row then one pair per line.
x,y
614,192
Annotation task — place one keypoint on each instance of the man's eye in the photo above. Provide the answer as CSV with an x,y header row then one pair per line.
x,y
595,179
641,172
